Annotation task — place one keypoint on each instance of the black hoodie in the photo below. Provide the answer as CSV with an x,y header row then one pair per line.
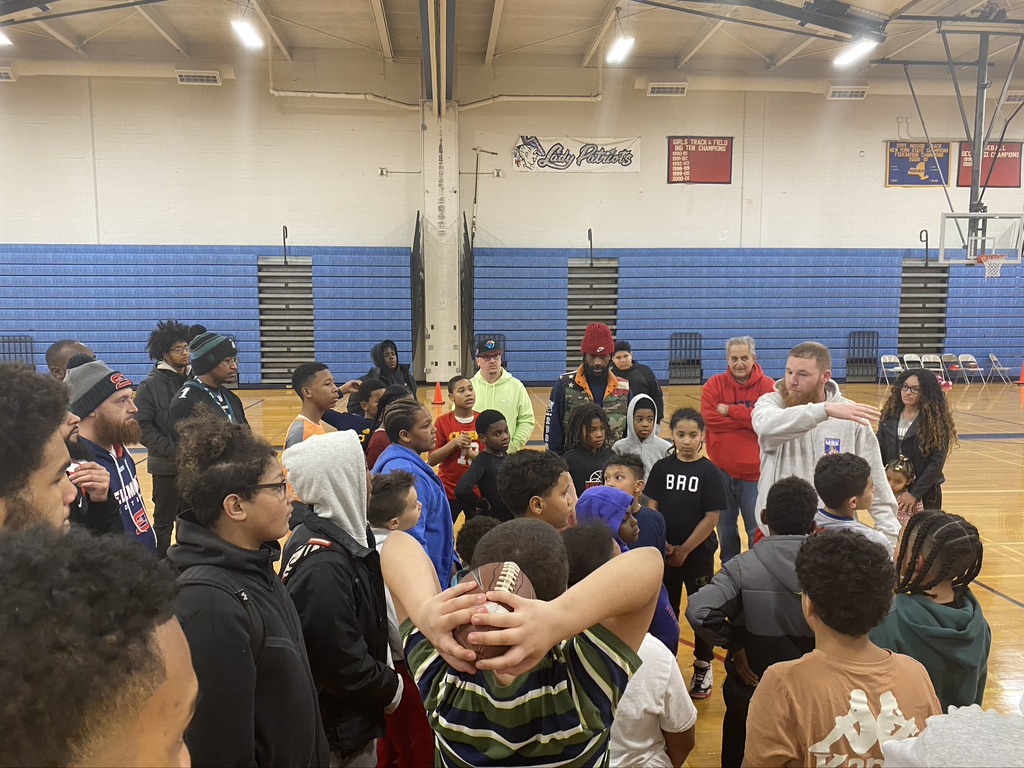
x,y
400,376
261,713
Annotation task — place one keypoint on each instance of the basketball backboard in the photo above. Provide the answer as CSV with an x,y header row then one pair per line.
x,y
966,238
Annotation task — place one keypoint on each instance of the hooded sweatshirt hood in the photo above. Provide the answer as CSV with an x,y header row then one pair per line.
x,y
328,472
606,505
650,450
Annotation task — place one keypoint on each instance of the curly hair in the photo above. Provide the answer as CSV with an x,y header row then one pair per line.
x,y
949,546
32,408
535,547
588,546
528,473
577,428
470,535
848,578
838,477
77,638
791,506
167,334
936,432
217,458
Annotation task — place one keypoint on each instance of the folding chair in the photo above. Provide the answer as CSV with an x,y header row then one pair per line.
x,y
912,361
890,364
933,363
969,367
998,368
952,365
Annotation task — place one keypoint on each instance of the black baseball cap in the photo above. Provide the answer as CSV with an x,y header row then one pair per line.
x,y
489,347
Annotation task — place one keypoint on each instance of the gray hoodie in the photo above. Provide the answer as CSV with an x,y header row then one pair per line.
x,y
328,472
793,439
650,450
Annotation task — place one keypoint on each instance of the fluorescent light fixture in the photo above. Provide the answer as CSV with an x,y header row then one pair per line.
x,y
855,52
620,51
4,39
247,34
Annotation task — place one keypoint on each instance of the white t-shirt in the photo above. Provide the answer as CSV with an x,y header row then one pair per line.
x,y
824,519
655,699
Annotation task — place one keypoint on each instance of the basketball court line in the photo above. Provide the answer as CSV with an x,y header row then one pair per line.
x,y
997,593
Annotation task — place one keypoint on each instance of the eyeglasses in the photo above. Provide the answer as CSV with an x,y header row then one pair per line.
x,y
230,362
280,488
181,349
911,390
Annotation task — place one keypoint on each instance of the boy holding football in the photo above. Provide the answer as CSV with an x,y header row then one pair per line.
x,y
550,698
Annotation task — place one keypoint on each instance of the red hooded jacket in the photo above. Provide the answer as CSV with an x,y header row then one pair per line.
x,y
732,443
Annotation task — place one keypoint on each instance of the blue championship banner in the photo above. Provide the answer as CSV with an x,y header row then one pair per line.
x,y
911,164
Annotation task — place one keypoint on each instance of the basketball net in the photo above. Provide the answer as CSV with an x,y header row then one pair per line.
x,y
993,264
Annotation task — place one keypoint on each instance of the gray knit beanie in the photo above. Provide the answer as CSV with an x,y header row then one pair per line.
x,y
91,384
208,349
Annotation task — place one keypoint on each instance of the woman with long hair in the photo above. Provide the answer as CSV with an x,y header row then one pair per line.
x,y
917,423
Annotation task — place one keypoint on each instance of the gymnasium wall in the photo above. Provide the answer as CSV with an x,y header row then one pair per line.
x,y
135,173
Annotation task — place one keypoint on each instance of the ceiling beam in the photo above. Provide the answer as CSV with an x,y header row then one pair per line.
x,y
924,36
698,41
788,51
264,12
382,29
606,21
492,36
169,33
59,31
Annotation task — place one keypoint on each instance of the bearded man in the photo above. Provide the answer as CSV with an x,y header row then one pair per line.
x,y
806,418
103,399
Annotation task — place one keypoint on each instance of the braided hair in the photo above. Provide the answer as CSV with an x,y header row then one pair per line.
x,y
936,431
578,426
684,414
391,395
400,417
950,547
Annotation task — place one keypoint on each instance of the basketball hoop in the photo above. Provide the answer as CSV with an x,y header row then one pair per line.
x,y
993,264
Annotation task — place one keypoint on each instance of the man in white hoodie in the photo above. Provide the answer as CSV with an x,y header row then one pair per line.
x,y
806,418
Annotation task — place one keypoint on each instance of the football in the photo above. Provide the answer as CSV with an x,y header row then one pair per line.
x,y
493,577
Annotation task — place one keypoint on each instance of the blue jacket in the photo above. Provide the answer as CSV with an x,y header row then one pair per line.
x,y
434,530
124,488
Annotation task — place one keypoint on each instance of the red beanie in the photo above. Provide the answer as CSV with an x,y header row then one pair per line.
x,y
598,340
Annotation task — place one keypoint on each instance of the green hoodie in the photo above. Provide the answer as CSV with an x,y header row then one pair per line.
x,y
509,396
951,642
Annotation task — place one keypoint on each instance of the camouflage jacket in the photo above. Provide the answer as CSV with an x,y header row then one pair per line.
x,y
571,391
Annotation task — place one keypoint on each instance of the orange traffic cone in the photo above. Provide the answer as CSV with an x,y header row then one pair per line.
x,y
1020,381
438,396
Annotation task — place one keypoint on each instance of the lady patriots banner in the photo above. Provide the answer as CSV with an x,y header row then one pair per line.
x,y
567,155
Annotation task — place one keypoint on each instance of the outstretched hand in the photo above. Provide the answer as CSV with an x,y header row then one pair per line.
x,y
530,629
350,387
442,614
861,414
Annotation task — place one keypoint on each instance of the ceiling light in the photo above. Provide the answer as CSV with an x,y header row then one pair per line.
x,y
247,34
620,51
855,52
4,39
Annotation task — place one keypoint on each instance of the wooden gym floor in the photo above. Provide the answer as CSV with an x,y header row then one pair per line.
x,y
984,483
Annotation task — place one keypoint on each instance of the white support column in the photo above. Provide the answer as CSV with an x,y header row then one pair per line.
x,y
442,234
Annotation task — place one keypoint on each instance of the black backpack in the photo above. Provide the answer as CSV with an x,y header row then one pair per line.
x,y
211,576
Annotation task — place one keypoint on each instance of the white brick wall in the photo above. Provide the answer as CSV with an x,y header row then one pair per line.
x,y
147,161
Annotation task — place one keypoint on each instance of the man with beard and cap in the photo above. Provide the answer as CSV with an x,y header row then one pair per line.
x,y
34,486
593,382
806,418
726,404
168,346
214,365
103,399
387,368
95,507
335,581
60,352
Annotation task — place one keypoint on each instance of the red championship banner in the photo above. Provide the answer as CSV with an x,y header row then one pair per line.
x,y
1005,174
699,160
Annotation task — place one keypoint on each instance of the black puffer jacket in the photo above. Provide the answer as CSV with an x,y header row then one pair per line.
x,y
250,712
338,590
927,468
153,400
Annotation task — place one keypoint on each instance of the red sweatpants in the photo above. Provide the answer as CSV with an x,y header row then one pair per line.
x,y
409,742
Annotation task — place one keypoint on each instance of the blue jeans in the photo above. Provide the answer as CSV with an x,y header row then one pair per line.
x,y
742,496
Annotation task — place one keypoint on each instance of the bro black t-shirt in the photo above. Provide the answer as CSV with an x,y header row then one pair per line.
x,y
685,492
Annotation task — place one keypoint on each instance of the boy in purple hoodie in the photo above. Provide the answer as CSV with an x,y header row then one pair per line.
x,y
604,505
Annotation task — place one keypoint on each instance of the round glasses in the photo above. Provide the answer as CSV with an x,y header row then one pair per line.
x,y
180,349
